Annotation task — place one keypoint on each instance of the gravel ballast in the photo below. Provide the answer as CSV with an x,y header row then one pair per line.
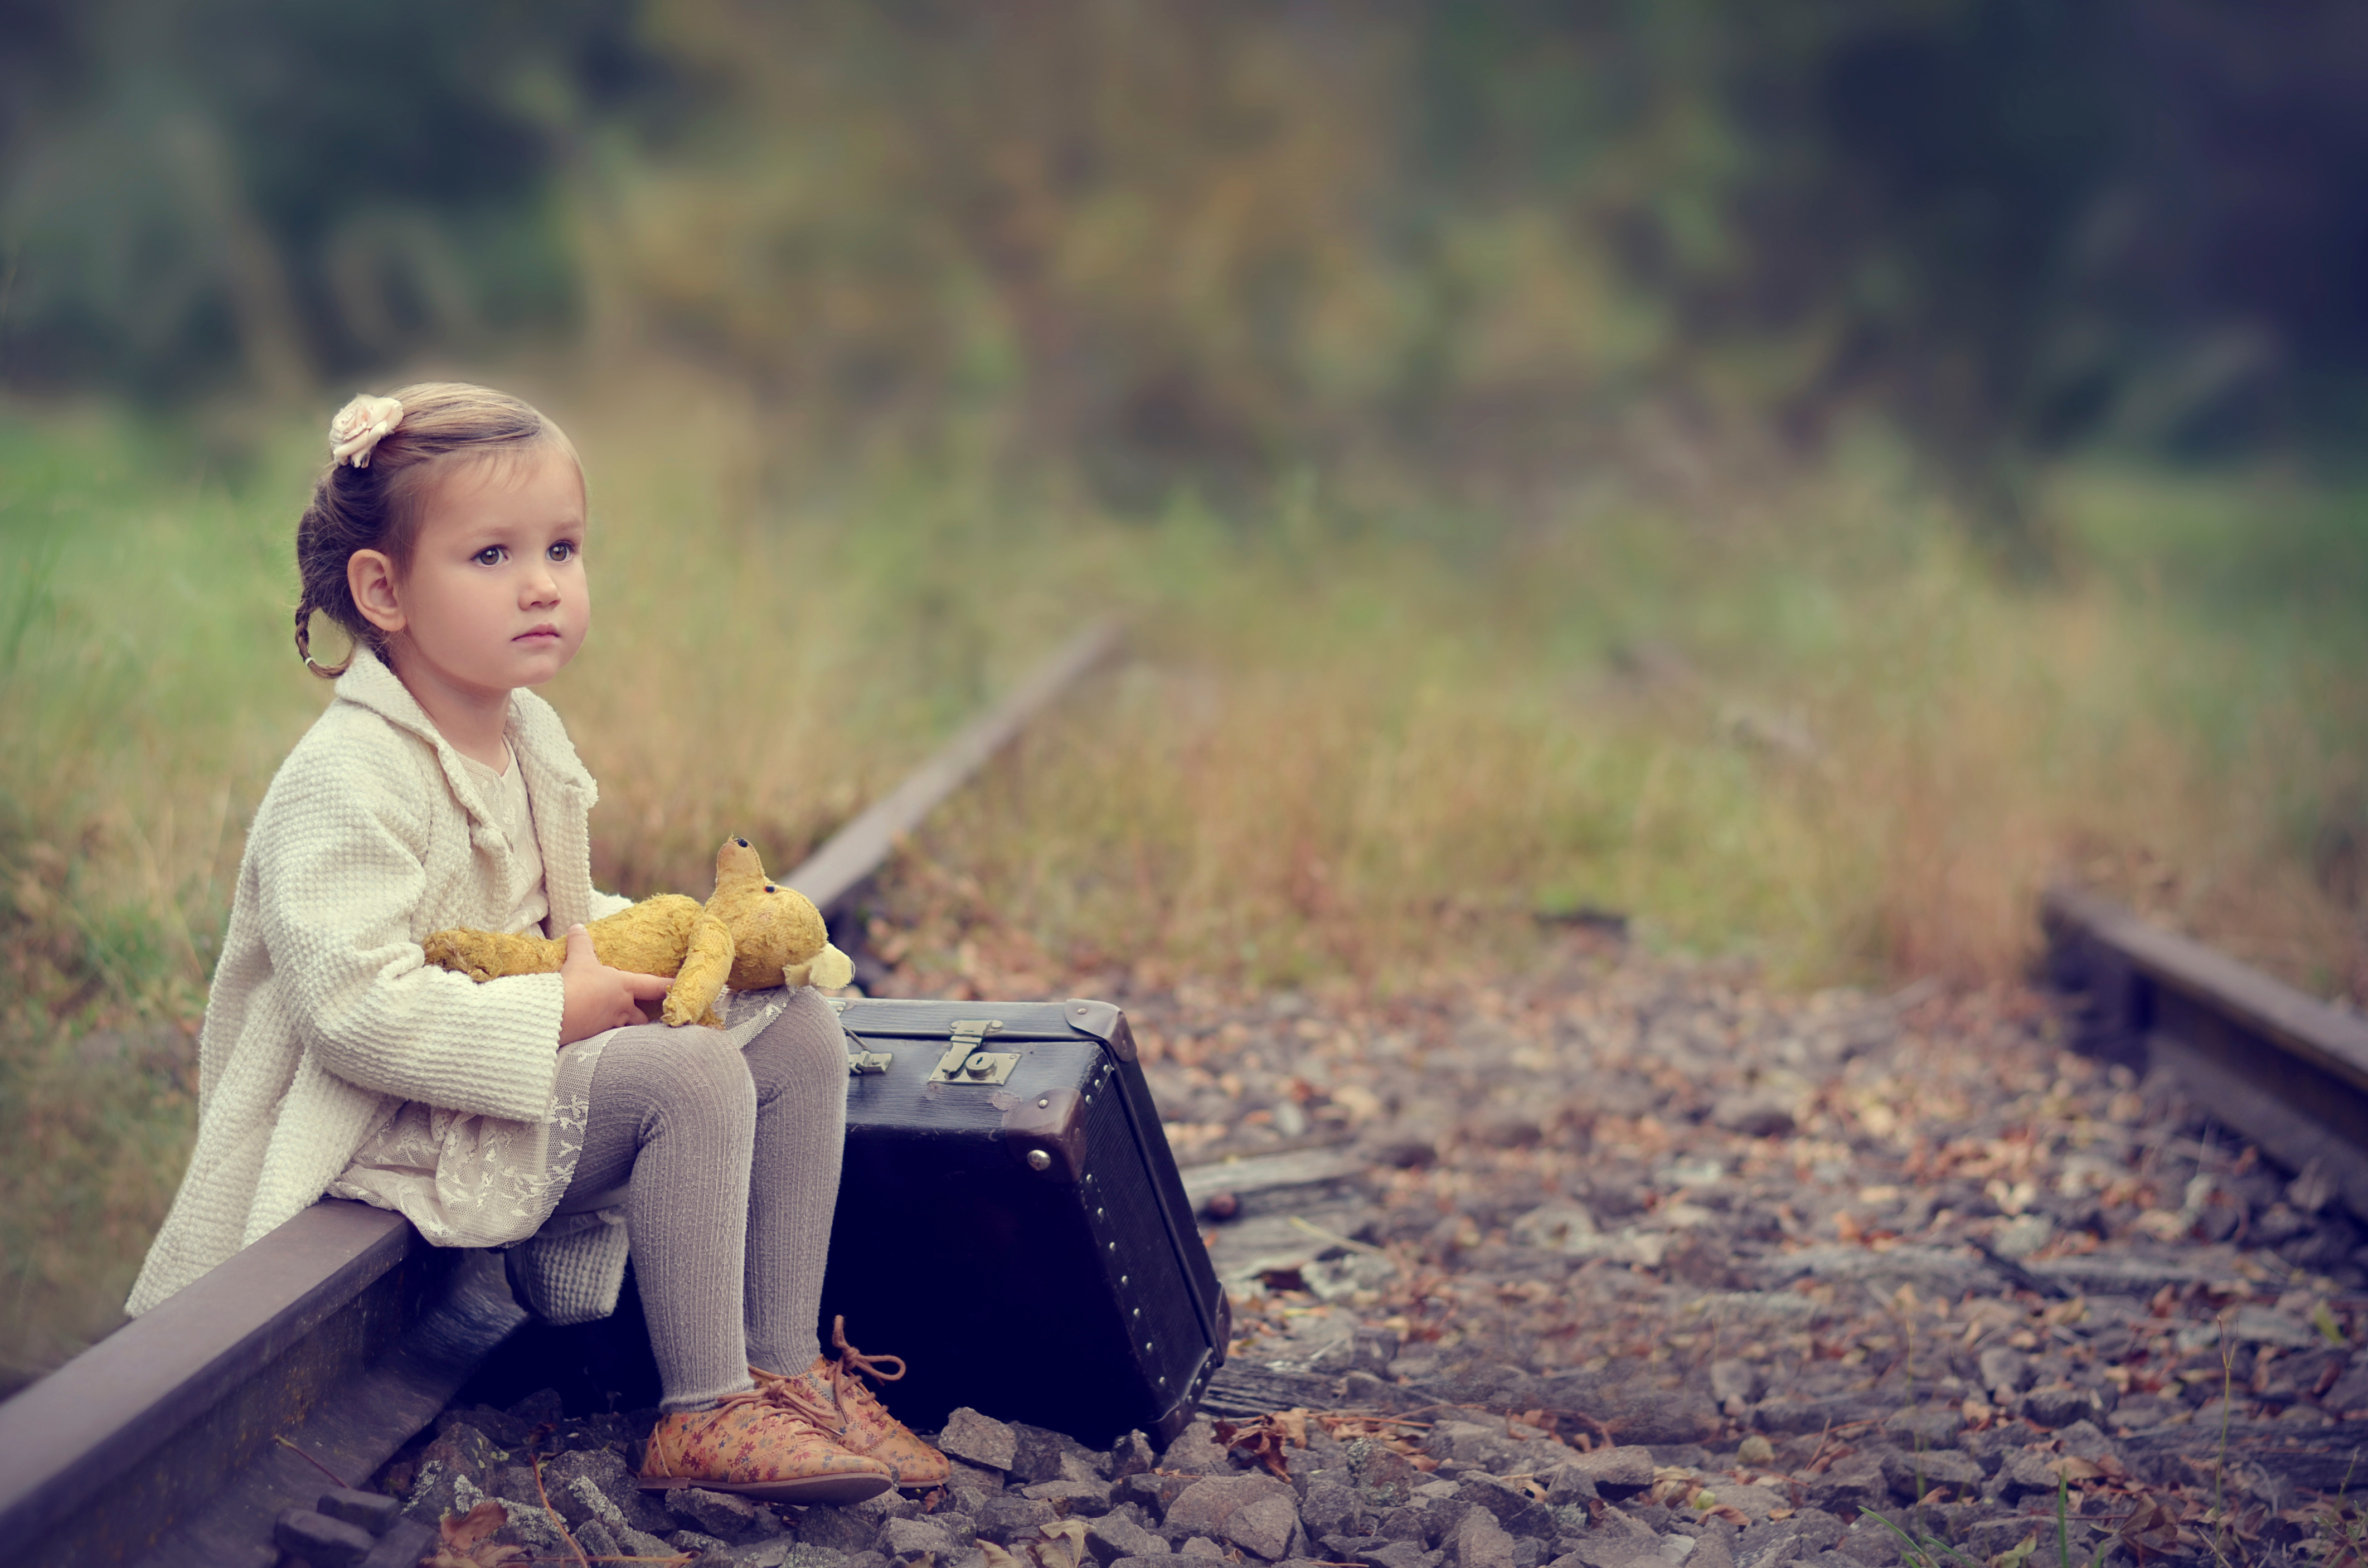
x,y
1632,1262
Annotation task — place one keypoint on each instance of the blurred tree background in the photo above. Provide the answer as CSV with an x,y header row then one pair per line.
x,y
1216,238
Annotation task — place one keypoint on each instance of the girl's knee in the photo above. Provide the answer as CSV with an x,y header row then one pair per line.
x,y
699,1075
804,1045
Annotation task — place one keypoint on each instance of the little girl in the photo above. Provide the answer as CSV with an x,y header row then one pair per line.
x,y
447,537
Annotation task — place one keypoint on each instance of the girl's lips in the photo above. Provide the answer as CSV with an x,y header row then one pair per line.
x,y
539,634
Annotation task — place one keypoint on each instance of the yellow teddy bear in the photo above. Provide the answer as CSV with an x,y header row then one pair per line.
x,y
751,934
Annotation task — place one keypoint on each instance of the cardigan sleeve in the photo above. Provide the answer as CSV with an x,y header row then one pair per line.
x,y
340,884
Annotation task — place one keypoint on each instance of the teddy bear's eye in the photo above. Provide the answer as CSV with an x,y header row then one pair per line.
x,y
771,887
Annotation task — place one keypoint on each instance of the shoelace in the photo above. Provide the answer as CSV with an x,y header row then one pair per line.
x,y
852,1360
793,1392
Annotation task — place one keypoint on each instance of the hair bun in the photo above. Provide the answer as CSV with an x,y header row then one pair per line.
x,y
360,426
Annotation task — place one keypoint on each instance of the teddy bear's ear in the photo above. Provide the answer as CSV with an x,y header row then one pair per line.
x,y
737,863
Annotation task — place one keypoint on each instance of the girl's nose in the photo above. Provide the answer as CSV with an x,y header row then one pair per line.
x,y
540,586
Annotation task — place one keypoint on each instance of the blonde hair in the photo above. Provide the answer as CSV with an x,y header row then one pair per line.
x,y
378,508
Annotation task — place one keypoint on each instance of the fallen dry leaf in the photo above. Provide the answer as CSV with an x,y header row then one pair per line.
x,y
465,1540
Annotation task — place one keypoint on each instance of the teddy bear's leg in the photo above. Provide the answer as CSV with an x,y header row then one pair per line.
x,y
700,980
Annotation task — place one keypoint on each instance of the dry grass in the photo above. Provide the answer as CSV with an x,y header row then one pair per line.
x,y
1366,734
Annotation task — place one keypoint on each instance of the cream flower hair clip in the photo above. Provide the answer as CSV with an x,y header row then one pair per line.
x,y
360,426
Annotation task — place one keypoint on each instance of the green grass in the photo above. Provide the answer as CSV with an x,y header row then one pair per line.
x,y
1370,728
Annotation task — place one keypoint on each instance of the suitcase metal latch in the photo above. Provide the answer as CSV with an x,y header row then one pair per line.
x,y
964,1062
860,1063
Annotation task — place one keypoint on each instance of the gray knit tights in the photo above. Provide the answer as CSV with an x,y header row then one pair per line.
x,y
733,1160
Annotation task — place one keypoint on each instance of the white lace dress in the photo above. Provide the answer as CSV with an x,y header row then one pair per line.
x,y
469,1180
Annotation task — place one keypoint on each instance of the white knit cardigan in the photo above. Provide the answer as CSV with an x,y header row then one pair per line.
x,y
324,1016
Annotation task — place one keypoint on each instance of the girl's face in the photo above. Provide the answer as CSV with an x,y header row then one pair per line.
x,y
495,598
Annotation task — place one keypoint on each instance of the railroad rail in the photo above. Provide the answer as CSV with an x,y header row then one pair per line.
x,y
312,1355
2280,1066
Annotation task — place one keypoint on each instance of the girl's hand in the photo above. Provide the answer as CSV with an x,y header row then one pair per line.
x,y
598,997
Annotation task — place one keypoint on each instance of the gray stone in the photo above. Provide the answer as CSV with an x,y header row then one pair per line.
x,y
851,1528
1196,1451
1155,1561
720,1513
529,1525
963,1476
1479,1542
772,1553
1115,1536
915,1537
580,1500
2083,1439
1154,1493
1040,1454
1615,1472
1871,1545
601,1471
1911,1475
1402,1523
1855,1483
1715,1548
321,1540
2350,1391
2024,1475
1268,1526
1201,1546
1793,1415
1647,1415
1257,1513
981,1439
1469,1444
1515,1510
1753,1115
1329,1508
681,1541
1567,1486
1013,1518
1924,1427
2060,1405
1612,1549
2004,1369
1403,1554
1132,1455
1440,1516
1084,1499
642,1543
1732,1379
593,1539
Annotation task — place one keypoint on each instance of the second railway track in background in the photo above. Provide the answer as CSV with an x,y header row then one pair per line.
x,y
323,1349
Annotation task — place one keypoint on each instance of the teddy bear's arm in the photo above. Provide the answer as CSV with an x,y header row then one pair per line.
x,y
489,955
700,980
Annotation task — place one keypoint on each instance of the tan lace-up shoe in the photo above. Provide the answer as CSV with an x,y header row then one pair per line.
x,y
756,1447
831,1395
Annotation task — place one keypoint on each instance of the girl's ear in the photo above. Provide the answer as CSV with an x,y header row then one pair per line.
x,y
370,574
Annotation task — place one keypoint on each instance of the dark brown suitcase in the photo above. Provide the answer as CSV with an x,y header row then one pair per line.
x,y
1011,1223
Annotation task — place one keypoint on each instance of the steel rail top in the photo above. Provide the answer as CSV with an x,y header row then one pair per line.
x,y
2280,1066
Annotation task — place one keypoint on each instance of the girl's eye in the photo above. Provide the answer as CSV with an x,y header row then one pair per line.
x,y
564,550
492,555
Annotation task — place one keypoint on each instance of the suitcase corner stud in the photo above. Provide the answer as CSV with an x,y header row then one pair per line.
x,y
1032,1185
